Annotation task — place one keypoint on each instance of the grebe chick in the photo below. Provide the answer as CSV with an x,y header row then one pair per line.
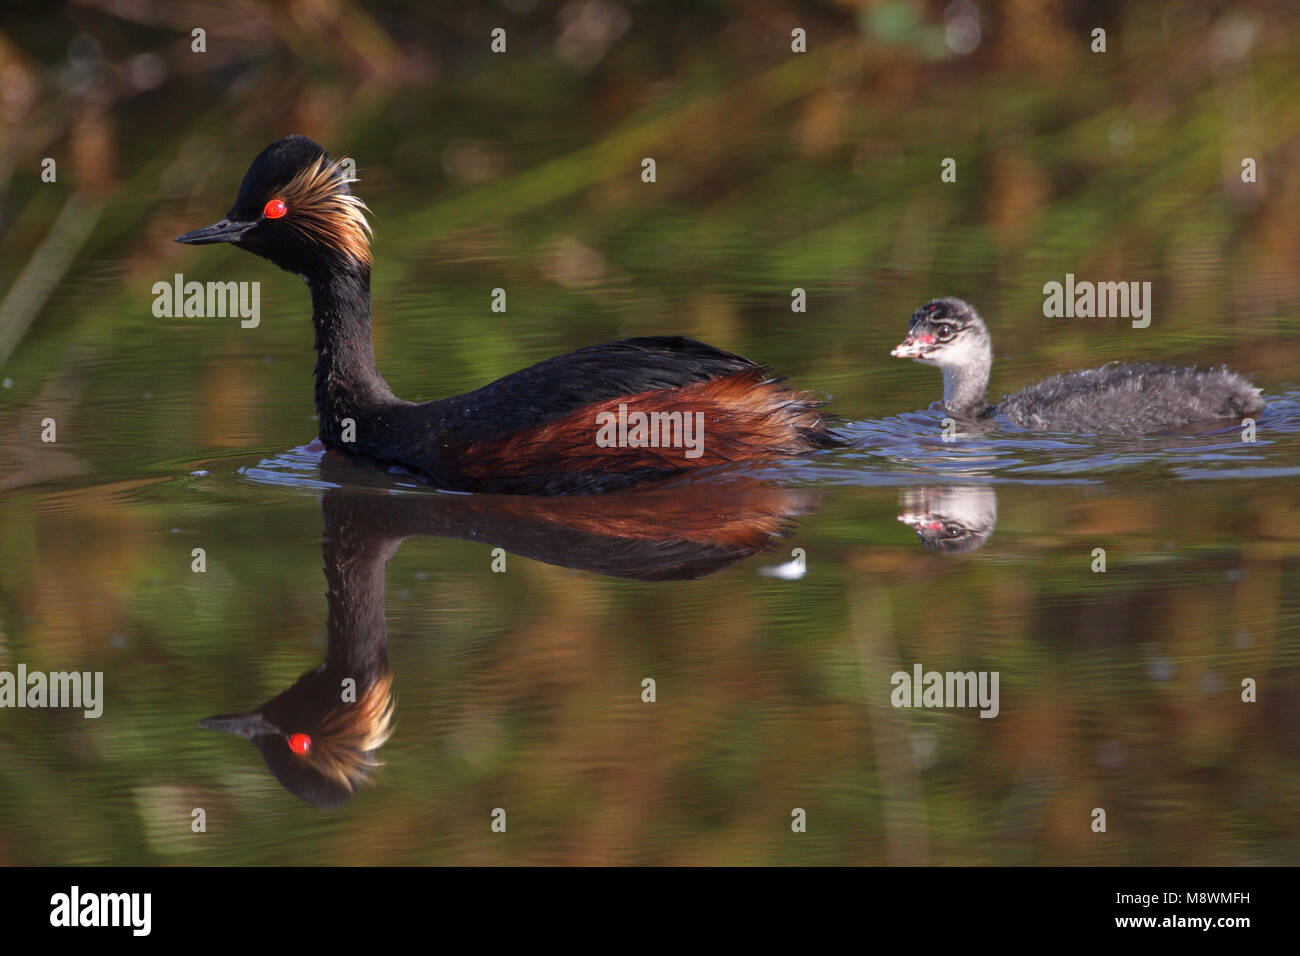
x,y
570,425
1117,399
951,520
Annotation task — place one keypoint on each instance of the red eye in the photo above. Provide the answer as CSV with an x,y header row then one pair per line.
x,y
275,209
299,743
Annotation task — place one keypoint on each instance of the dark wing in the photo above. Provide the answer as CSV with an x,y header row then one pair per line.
x,y
554,388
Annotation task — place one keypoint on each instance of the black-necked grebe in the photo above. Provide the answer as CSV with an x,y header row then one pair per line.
x,y
321,737
1116,399
595,420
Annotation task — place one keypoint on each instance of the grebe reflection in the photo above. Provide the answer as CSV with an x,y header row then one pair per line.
x,y
320,737
951,520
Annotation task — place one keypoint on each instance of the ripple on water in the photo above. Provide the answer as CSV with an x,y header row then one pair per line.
x,y
907,447
900,449
301,468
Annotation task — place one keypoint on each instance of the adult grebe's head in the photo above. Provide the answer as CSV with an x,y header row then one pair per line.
x,y
295,208
319,742
947,333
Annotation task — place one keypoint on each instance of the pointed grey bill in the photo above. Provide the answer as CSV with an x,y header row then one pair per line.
x,y
241,725
223,230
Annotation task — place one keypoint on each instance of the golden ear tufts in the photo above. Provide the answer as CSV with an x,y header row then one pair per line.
x,y
344,743
322,209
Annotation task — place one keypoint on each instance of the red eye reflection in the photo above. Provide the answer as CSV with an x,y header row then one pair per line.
x,y
275,209
299,743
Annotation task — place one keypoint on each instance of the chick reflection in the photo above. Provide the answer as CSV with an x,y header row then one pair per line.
x,y
953,519
320,737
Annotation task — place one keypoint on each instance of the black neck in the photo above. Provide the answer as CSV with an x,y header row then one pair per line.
x,y
347,383
356,554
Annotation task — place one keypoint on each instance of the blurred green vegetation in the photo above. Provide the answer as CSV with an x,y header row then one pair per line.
x,y
775,170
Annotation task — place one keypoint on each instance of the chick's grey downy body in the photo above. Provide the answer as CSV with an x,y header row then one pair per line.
x,y
1120,398
1131,399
